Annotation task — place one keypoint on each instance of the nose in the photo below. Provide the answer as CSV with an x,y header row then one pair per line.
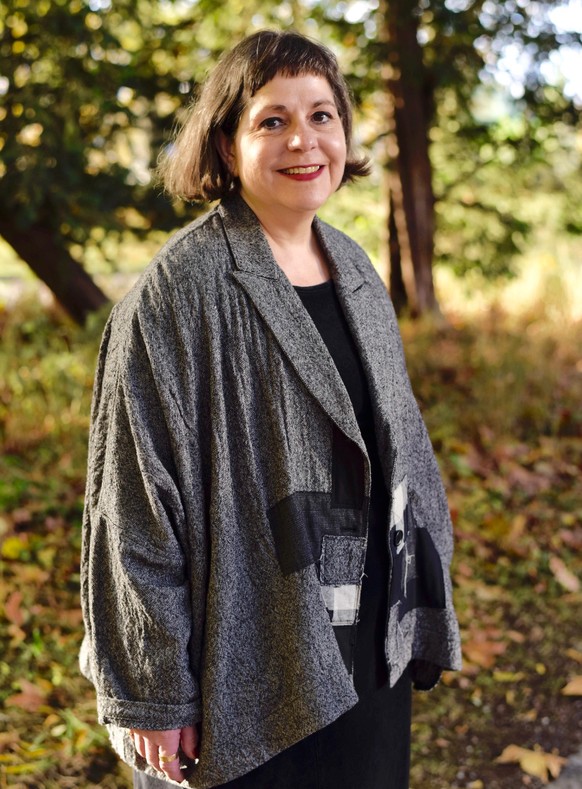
x,y
301,138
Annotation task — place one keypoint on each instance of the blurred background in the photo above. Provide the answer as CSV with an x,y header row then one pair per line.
x,y
470,112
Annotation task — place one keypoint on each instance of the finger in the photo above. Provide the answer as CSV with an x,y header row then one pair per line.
x,y
139,744
152,754
168,747
170,769
189,741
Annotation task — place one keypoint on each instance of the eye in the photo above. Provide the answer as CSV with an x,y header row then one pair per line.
x,y
271,123
322,117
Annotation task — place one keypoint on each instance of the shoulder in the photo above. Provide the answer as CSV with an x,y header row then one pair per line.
x,y
345,250
193,262
197,251
349,255
337,240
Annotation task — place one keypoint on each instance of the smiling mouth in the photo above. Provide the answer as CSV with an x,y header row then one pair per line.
x,y
302,170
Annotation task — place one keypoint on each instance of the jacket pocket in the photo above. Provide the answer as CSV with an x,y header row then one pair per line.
x,y
417,572
341,567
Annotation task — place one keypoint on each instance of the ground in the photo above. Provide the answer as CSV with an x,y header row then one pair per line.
x,y
501,398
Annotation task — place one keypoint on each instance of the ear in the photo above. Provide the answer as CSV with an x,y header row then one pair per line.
x,y
225,148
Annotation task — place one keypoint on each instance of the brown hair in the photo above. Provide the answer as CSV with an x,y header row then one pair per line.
x,y
191,167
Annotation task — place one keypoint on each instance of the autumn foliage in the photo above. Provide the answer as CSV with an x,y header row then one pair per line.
x,y
501,397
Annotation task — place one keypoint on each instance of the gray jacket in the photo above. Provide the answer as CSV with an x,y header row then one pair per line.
x,y
221,551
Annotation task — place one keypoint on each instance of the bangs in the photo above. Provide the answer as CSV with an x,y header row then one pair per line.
x,y
290,55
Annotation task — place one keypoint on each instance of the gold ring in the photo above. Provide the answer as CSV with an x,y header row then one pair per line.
x,y
168,759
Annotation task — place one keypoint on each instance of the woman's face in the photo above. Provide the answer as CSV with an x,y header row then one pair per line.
x,y
289,150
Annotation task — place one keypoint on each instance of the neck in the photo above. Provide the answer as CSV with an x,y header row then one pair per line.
x,y
294,245
294,229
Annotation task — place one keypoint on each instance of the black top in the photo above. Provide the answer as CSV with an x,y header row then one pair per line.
x,y
322,304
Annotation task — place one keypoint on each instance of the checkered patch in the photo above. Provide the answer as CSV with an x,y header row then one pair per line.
x,y
341,568
342,603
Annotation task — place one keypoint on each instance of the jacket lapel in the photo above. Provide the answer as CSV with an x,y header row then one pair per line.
x,y
375,331
280,307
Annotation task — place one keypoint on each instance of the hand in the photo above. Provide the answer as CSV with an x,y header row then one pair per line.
x,y
155,746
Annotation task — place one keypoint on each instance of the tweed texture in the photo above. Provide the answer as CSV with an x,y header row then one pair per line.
x,y
214,407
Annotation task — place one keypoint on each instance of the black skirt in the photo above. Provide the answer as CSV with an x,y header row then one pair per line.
x,y
367,747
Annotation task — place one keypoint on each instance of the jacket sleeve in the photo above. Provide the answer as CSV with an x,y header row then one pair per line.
x,y
429,513
134,571
424,477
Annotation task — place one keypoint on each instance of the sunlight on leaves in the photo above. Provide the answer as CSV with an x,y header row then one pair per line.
x,y
563,575
574,687
536,763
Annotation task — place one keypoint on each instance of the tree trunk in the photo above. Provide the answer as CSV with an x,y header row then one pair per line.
x,y
409,116
71,285
396,283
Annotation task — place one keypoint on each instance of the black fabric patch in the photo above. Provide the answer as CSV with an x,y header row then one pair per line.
x,y
417,572
299,522
427,588
347,472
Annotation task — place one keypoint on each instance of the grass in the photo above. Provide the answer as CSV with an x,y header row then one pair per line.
x,y
501,396
501,399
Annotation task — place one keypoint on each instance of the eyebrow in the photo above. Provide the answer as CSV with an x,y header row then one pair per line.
x,y
284,108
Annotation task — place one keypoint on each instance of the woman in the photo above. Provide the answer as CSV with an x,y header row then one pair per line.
x,y
266,536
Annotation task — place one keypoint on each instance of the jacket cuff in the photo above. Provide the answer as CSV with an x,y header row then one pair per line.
x,y
146,715
424,674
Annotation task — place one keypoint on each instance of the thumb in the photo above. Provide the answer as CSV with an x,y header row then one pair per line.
x,y
189,741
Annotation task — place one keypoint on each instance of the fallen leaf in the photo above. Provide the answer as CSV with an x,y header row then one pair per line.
x,y
30,699
574,687
575,654
516,530
531,715
480,590
71,617
529,481
29,573
535,762
508,676
483,653
465,570
12,609
17,635
563,576
12,547
21,516
8,738
29,768
571,538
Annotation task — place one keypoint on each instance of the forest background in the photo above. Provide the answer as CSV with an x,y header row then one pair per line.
x,y
470,111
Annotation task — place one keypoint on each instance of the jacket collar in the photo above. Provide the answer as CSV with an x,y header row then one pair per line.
x,y
252,253
279,305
